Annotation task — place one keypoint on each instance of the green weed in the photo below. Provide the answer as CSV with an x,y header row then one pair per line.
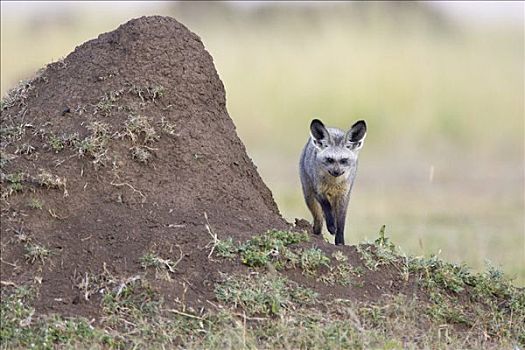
x,y
261,249
312,259
261,294
36,252
226,248
35,203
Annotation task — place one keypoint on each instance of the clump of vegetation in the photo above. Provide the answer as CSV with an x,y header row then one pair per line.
x,y
19,94
226,248
262,249
95,145
262,294
167,127
35,203
163,267
141,133
340,274
46,179
312,259
36,252
14,184
25,148
107,102
56,143
139,130
147,92
141,154
380,252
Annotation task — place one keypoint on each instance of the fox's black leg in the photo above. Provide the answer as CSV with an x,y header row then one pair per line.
x,y
328,215
341,207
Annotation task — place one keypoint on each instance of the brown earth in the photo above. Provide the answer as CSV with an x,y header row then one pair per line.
x,y
125,145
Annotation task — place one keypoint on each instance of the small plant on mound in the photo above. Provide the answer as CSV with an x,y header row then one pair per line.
x,y
36,252
265,294
380,252
147,92
141,133
260,250
274,249
25,149
226,248
56,143
107,102
35,203
312,259
95,145
14,182
139,130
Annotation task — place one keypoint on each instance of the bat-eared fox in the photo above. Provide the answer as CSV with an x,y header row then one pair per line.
x,y
328,168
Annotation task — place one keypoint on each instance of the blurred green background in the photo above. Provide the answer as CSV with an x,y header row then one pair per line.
x,y
441,86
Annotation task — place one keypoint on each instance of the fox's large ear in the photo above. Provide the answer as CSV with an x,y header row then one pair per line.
x,y
355,137
320,135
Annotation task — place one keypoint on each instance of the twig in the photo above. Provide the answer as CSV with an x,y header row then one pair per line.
x,y
133,188
185,314
8,283
213,236
8,263
180,258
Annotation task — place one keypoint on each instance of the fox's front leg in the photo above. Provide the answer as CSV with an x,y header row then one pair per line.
x,y
317,214
341,206
328,214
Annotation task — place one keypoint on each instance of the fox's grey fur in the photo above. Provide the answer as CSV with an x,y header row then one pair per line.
x,y
328,168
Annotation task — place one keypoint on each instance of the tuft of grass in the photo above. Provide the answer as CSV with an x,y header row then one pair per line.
x,y
107,102
35,203
141,154
312,259
380,252
261,249
341,274
153,260
139,130
226,248
46,179
36,252
167,127
18,95
56,143
95,145
147,93
265,294
15,181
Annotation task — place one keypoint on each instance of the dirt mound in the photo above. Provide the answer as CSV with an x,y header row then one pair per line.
x,y
122,159
118,150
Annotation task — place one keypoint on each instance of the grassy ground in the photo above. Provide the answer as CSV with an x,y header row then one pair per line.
x,y
262,308
443,163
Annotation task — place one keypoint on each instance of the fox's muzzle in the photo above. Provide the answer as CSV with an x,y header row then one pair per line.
x,y
336,173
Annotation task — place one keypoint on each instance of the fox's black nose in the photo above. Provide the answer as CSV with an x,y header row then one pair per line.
x,y
336,173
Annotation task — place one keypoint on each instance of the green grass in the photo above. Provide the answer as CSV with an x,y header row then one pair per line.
x,y
262,294
264,309
37,253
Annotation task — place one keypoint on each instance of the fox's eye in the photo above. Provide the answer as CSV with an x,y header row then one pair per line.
x,y
330,160
344,161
